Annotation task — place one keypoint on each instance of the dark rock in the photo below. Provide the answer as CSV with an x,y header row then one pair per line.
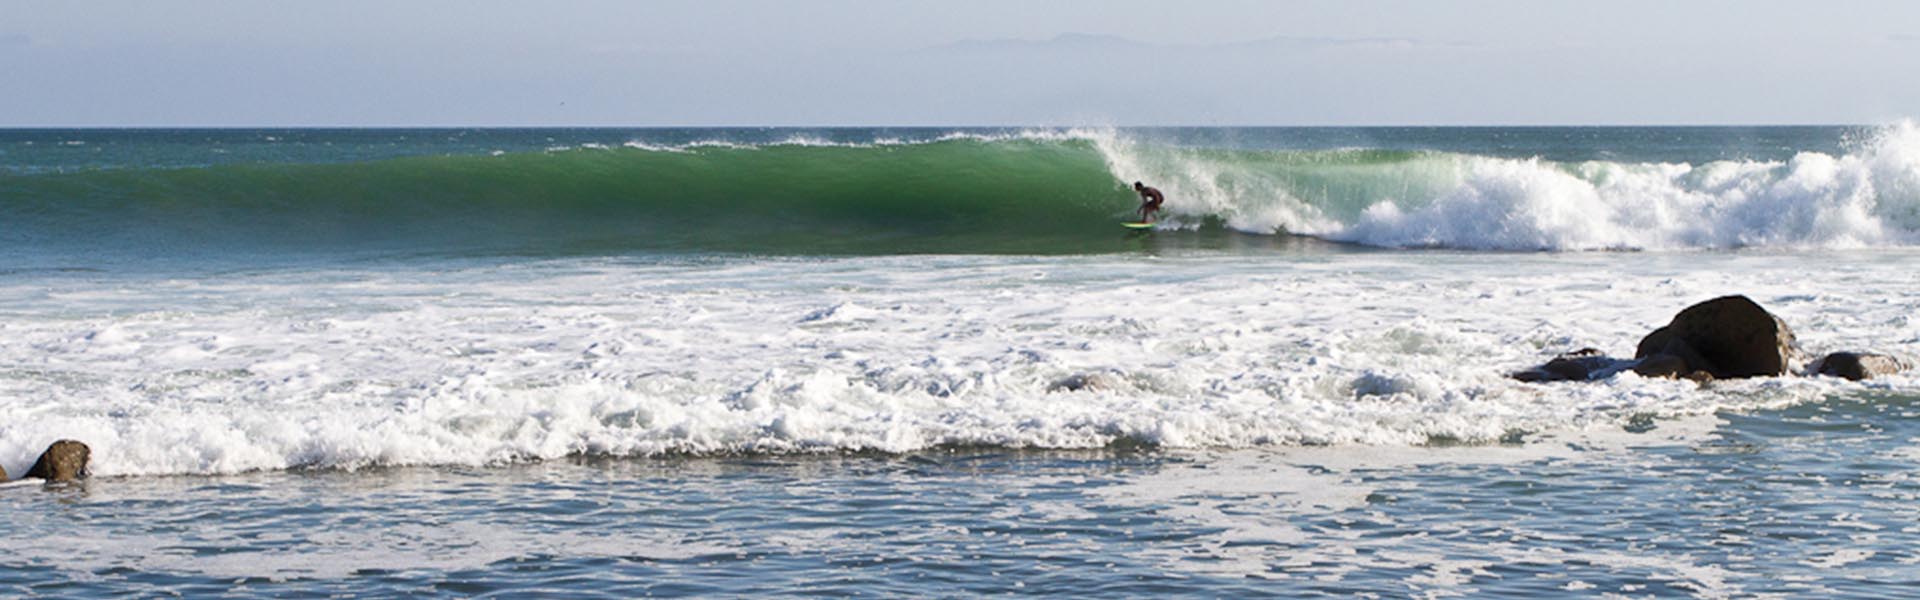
x,y
1567,368
1728,337
1538,374
1663,365
1662,342
1086,381
1856,366
1654,343
1579,365
65,460
1534,375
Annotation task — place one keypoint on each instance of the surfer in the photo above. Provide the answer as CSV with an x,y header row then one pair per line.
x,y
1150,200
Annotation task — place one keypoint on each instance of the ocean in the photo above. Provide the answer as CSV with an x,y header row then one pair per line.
x,y
928,362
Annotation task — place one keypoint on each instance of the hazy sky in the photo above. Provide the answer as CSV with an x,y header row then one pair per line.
x,y
993,62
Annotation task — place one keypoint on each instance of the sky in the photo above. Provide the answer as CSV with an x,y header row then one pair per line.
x,y
976,62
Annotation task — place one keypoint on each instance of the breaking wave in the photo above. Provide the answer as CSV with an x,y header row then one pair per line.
x,y
1047,192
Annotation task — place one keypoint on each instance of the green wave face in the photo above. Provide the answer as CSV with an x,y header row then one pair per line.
x,y
1030,193
951,196
1025,195
955,196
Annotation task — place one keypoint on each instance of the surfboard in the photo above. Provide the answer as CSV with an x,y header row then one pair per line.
x,y
1136,225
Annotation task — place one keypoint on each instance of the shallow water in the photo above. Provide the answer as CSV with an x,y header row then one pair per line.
x,y
1815,500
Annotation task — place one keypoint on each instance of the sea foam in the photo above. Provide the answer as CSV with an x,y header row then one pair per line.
x,y
430,365
1867,197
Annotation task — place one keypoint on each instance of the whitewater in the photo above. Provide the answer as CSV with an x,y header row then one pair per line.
x,y
959,192
488,364
1867,197
469,362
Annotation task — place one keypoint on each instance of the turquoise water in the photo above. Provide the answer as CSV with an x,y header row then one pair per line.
x,y
911,362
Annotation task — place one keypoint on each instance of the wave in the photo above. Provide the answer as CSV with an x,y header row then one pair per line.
x,y
1868,197
953,195
1033,192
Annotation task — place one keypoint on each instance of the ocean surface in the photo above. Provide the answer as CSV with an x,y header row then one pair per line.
x,y
928,362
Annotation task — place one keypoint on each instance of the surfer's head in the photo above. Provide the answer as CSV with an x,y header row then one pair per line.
x,y
1138,185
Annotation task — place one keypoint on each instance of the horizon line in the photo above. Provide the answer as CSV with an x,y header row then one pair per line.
x,y
12,127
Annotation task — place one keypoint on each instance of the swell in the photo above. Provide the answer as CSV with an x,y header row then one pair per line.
x,y
1048,193
955,196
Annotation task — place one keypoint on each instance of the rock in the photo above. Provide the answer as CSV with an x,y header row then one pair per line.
x,y
1856,366
1533,375
1663,365
1662,343
1579,365
65,460
1728,337
3,473
1092,382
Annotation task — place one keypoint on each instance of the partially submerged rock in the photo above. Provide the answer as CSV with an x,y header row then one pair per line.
x,y
1662,365
1857,366
1579,365
65,460
1729,337
1092,382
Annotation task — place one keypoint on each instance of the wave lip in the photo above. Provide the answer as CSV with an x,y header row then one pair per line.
x,y
1866,197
